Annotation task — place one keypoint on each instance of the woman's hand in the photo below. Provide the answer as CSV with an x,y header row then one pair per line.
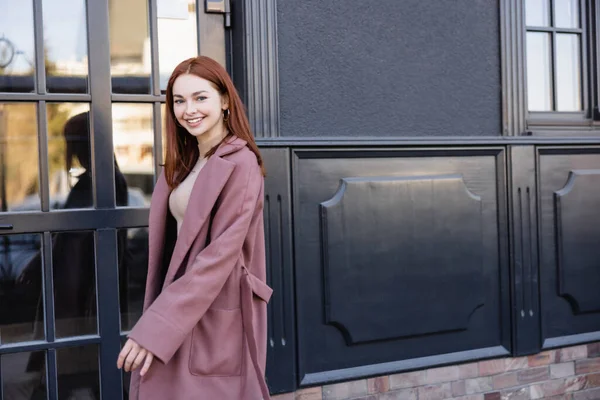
x,y
133,355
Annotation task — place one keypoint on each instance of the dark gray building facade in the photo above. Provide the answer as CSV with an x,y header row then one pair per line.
x,y
432,192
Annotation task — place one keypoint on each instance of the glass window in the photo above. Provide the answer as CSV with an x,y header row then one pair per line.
x,y
65,46
24,376
19,173
78,376
21,282
554,56
163,113
177,35
568,77
69,156
74,277
539,65
537,13
133,139
130,57
133,267
17,49
212,37
566,13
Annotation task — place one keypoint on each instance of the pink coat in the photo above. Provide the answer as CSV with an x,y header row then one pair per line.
x,y
207,325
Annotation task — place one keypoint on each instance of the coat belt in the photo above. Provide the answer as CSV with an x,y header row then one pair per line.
x,y
252,285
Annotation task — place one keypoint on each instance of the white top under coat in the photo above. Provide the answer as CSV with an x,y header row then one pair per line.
x,y
180,196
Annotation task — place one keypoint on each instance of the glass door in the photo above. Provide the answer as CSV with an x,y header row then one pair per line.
x,y
81,109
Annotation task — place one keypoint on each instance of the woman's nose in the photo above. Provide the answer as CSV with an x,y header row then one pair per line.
x,y
190,108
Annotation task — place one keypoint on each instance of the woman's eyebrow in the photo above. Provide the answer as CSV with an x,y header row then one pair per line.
x,y
193,94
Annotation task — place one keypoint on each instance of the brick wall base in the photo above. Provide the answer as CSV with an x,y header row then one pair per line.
x,y
571,373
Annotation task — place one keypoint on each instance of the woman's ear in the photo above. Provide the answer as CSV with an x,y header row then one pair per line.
x,y
225,102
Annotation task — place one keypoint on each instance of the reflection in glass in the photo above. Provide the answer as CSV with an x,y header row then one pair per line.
x,y
23,376
537,13
19,176
568,77
21,277
163,132
133,140
130,59
65,45
539,89
74,277
69,155
17,49
566,13
177,35
78,373
133,266
212,37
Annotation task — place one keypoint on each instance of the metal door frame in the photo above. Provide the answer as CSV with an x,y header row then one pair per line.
x,y
105,219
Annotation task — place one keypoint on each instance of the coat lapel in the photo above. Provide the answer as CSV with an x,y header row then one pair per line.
x,y
205,192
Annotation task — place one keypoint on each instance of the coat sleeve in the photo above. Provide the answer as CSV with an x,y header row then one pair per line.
x,y
172,316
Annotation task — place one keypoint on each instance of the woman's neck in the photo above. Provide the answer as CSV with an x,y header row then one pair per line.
x,y
207,141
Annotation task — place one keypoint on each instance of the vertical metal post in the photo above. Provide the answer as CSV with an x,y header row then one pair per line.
x,y
524,251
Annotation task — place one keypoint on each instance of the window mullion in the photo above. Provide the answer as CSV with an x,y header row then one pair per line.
x,y
595,58
553,72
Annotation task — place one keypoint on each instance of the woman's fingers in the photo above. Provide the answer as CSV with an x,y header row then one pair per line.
x,y
147,363
123,354
131,357
139,359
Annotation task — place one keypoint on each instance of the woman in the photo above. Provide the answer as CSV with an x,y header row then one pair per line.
x,y
202,334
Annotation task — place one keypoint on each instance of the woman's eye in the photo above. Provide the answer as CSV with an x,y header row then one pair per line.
x,y
178,101
201,98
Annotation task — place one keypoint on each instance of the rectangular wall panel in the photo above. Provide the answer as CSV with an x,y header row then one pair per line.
x,y
400,255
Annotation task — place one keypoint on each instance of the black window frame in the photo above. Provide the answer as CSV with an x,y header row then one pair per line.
x,y
571,123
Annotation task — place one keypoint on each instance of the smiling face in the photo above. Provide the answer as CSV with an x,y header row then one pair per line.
x,y
198,107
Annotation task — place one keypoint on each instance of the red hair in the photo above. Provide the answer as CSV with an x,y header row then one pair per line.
x,y
182,148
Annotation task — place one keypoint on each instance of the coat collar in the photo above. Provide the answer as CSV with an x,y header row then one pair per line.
x,y
230,146
207,187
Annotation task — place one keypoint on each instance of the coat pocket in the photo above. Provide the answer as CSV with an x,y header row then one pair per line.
x,y
217,344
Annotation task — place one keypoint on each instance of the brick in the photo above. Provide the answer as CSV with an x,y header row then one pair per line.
x,y
562,370
545,358
314,393
512,364
593,349
572,353
459,388
593,394
467,371
491,367
566,396
533,375
285,396
506,380
478,385
492,396
402,394
443,374
593,380
557,387
380,384
587,366
435,392
516,394
407,380
345,390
